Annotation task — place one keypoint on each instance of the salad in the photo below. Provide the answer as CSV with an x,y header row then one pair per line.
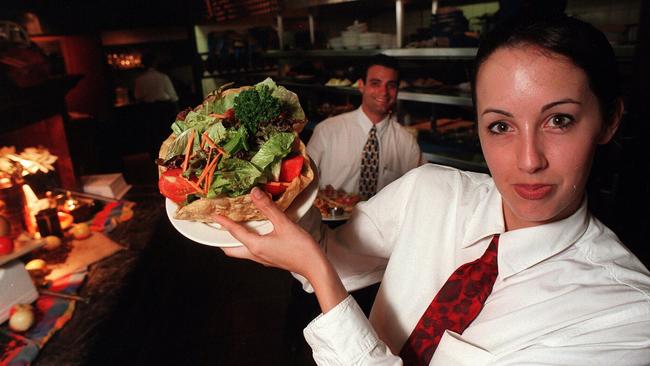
x,y
235,140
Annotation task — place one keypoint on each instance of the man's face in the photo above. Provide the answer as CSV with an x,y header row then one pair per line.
x,y
379,91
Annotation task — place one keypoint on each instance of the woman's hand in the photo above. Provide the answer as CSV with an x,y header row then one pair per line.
x,y
287,247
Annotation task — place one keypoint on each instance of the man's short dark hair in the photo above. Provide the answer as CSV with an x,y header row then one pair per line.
x,y
381,60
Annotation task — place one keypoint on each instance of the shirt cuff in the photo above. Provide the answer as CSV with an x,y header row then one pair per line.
x,y
342,335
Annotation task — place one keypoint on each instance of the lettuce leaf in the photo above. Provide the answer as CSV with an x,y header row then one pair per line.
x,y
177,146
198,120
288,99
217,132
224,103
237,140
274,149
235,177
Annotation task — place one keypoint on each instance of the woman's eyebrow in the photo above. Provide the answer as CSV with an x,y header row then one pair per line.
x,y
544,108
561,101
499,111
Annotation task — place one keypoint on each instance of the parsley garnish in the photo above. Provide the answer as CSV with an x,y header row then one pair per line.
x,y
254,107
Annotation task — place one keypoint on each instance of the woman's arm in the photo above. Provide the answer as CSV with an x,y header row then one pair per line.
x,y
288,247
342,335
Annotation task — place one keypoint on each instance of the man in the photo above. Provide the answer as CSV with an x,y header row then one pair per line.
x,y
158,103
364,150
152,85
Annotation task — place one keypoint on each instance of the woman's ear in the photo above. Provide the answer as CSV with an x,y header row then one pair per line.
x,y
609,130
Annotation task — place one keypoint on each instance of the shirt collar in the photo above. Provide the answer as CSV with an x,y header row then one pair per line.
x,y
523,248
367,124
485,222
526,247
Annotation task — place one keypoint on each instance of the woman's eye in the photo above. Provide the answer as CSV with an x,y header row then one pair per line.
x,y
561,121
498,127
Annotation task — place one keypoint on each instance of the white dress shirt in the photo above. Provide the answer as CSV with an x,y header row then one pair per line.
x,y
567,293
337,144
154,86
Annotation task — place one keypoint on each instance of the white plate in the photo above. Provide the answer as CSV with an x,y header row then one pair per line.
x,y
343,217
213,235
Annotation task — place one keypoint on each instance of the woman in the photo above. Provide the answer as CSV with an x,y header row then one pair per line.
x,y
567,291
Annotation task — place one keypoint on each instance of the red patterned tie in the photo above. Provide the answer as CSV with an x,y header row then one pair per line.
x,y
455,306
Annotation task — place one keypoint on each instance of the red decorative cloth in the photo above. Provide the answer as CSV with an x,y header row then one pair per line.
x,y
455,306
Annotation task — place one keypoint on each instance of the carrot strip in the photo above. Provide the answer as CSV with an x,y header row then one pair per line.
x,y
209,141
203,136
211,174
209,163
188,150
217,115
195,186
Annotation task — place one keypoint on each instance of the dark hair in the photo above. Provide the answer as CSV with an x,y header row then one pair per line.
x,y
380,60
584,45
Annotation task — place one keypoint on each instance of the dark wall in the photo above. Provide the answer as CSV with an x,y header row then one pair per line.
x,y
81,16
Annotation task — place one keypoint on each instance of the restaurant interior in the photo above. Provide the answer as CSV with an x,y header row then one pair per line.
x,y
77,143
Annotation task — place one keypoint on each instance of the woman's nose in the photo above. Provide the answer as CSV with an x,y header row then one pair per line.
x,y
531,154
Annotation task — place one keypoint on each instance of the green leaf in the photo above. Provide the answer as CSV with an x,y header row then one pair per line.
x,y
216,132
237,141
275,148
289,100
235,177
224,103
177,146
275,170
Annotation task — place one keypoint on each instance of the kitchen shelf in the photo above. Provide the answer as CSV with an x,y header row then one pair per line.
x,y
318,87
263,72
464,53
438,98
435,53
321,53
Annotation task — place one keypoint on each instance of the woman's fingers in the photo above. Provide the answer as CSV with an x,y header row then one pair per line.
x,y
240,232
268,207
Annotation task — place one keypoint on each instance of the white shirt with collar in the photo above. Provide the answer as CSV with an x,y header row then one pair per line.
x,y
567,293
337,144
154,86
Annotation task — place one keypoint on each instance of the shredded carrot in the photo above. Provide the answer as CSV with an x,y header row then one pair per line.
x,y
209,141
203,139
188,150
208,166
195,186
217,115
211,174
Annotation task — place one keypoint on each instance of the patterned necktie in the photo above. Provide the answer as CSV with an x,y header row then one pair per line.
x,y
455,306
369,166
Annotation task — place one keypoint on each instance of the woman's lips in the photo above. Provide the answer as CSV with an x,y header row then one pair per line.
x,y
533,191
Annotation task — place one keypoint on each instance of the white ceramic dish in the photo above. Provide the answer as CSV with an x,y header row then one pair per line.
x,y
343,217
213,235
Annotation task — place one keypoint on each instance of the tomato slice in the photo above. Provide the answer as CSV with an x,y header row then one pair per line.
x,y
291,168
275,188
173,186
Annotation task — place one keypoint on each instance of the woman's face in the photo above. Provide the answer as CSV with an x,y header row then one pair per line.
x,y
539,124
